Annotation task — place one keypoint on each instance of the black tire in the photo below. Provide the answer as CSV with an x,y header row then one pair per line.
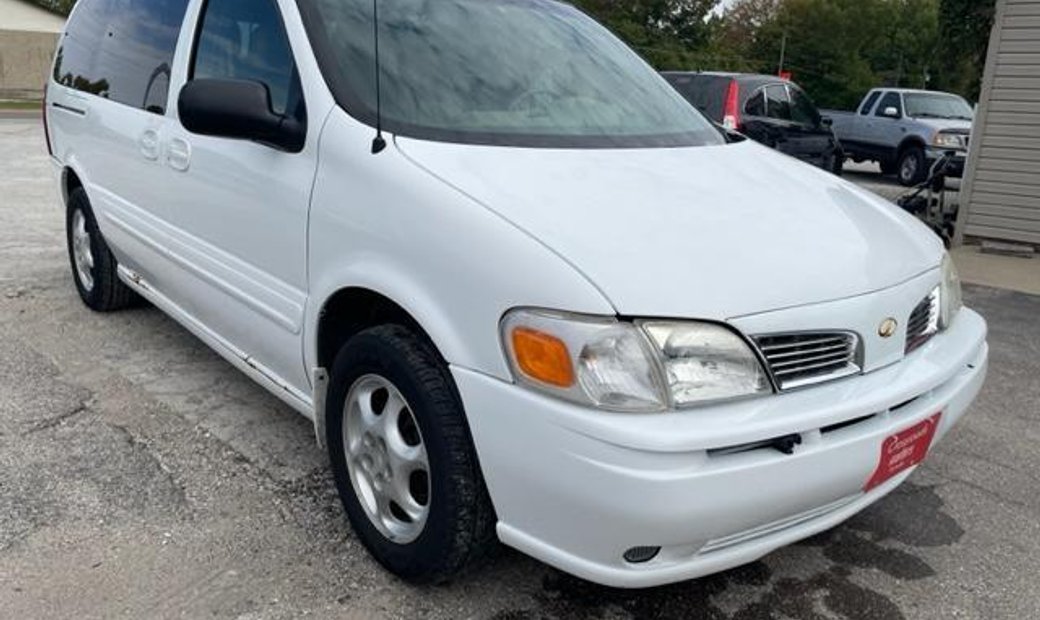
x,y
459,528
888,167
912,168
837,162
106,292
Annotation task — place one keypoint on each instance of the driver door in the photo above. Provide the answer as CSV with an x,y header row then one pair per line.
x,y
236,210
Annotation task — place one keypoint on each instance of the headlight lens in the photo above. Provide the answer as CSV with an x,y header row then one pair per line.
x,y
705,362
950,298
948,140
622,366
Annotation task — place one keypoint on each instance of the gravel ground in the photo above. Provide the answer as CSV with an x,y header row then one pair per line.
x,y
143,477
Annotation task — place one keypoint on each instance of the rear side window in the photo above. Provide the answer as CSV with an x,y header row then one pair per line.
x,y
869,103
122,50
778,104
247,41
707,93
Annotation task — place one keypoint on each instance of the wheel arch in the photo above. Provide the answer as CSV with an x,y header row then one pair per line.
x,y
352,309
70,181
909,142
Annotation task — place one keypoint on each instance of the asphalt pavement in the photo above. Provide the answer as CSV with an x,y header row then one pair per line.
x,y
141,476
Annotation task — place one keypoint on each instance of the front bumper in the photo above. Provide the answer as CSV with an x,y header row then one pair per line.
x,y
956,166
576,488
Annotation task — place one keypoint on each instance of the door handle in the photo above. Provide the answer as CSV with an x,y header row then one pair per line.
x,y
149,144
178,155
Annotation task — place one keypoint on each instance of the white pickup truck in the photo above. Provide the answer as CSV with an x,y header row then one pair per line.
x,y
905,131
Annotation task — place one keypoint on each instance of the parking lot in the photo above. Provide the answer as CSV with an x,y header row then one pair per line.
x,y
141,476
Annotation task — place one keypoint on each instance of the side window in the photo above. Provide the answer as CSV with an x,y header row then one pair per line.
x,y
890,100
122,50
778,105
247,41
869,103
756,105
74,65
803,110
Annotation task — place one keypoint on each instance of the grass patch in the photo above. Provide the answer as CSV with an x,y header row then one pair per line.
x,y
19,105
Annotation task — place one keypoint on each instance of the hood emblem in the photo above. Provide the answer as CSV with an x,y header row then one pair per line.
x,y
887,329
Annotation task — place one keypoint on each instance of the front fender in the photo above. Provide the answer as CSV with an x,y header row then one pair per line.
x,y
382,223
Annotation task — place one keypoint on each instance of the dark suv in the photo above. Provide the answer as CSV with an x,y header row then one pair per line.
x,y
767,109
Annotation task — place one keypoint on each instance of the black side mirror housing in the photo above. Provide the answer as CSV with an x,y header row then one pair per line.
x,y
238,109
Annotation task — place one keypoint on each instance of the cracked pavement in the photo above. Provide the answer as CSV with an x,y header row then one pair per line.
x,y
142,476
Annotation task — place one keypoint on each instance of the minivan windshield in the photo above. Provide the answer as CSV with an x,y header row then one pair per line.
x,y
922,105
534,73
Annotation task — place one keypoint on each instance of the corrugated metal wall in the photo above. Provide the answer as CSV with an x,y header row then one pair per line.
x,y
1002,183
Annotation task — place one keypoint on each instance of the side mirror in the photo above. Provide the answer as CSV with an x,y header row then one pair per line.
x,y
237,109
891,112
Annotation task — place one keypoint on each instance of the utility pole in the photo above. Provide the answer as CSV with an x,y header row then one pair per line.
x,y
783,51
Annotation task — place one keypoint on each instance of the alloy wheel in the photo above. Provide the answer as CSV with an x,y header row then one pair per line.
x,y
387,462
82,254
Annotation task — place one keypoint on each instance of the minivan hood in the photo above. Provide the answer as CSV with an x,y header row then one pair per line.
x,y
708,232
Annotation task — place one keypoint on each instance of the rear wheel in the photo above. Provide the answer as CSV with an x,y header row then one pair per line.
x,y
912,167
402,456
94,269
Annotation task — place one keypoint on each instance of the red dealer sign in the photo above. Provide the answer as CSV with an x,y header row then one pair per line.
x,y
903,450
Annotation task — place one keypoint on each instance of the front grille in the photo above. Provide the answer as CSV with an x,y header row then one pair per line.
x,y
924,321
797,360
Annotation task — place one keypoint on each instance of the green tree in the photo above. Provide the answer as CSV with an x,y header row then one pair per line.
x,y
58,6
964,27
670,34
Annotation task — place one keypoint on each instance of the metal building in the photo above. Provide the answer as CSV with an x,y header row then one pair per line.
x,y
1000,195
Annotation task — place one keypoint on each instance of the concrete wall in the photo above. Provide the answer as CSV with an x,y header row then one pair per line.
x,y
22,15
25,62
1001,193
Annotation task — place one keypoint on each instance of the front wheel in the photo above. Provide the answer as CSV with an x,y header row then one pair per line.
x,y
402,456
837,163
912,167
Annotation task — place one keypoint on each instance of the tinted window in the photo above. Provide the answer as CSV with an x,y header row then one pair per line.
x,y
707,93
122,50
778,105
511,72
756,105
869,103
247,41
803,110
890,100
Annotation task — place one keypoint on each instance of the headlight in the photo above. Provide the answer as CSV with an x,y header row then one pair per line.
x,y
950,299
622,366
948,141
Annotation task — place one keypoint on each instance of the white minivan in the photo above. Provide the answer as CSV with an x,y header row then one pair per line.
x,y
523,290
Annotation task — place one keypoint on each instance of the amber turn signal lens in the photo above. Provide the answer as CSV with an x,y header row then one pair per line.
x,y
542,357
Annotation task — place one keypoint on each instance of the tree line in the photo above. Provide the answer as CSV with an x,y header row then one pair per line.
x,y
836,49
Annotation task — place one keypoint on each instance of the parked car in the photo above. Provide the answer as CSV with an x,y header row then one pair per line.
x,y
523,291
767,109
906,131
